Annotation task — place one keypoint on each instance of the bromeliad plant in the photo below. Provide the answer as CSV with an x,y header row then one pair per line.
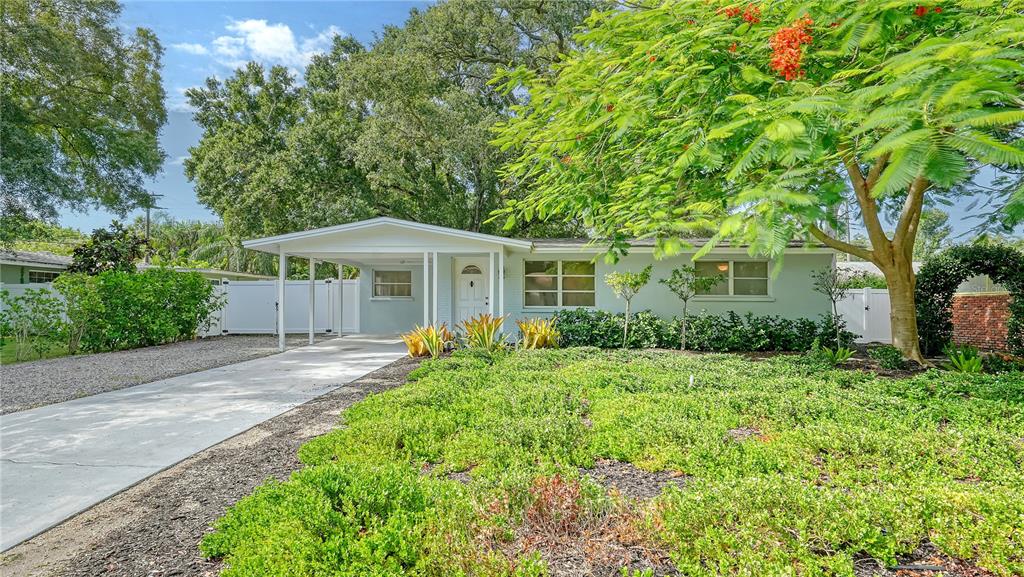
x,y
538,334
484,332
429,340
963,359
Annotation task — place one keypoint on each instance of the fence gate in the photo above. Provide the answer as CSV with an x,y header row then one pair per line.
x,y
866,312
252,307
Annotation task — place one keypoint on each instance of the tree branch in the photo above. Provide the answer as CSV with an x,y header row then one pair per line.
x,y
841,245
862,190
906,228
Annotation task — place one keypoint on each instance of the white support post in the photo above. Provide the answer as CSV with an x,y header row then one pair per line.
x,y
866,307
426,288
501,283
490,300
312,299
341,299
282,274
434,288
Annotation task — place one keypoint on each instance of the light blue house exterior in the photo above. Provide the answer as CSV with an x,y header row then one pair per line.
x,y
414,274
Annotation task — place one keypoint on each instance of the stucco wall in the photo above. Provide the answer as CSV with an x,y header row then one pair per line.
x,y
791,292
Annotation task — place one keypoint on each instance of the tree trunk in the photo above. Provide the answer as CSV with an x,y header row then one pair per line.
x,y
903,313
682,329
625,327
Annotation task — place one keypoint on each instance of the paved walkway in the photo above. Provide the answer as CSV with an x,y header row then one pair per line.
x,y
58,460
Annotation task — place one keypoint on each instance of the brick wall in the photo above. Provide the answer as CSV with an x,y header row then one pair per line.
x,y
980,320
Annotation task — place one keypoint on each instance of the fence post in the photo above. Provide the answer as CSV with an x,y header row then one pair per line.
x,y
866,316
225,287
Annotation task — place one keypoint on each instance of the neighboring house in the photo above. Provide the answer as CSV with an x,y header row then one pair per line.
x,y
413,273
30,267
975,284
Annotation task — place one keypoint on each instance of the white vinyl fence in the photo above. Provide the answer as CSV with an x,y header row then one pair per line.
x,y
866,312
251,306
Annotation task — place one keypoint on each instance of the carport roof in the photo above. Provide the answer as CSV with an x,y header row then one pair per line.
x,y
273,244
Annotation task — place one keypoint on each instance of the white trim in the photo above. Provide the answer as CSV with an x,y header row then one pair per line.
x,y
559,290
501,283
312,299
491,283
282,275
426,288
434,289
731,278
385,220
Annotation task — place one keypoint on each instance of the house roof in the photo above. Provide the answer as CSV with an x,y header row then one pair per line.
x,y
301,245
28,257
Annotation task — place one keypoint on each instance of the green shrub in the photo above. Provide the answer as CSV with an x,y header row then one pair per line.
x,y
838,466
1002,363
83,306
153,307
888,357
963,358
33,319
863,280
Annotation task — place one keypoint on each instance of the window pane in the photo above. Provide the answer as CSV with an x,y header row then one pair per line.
x,y
750,286
712,268
392,290
751,269
581,267
392,276
542,283
578,299
541,299
541,267
578,283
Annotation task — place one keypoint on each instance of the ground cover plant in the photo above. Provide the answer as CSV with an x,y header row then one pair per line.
x,y
535,462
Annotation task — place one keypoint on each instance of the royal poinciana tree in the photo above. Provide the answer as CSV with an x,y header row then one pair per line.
x,y
764,119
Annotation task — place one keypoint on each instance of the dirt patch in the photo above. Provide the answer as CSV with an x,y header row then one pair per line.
x,y
740,434
154,527
631,482
926,561
575,542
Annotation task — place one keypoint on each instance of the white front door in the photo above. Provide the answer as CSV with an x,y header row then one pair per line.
x,y
471,297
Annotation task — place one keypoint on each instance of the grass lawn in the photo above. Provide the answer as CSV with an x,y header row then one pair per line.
x,y
776,467
9,352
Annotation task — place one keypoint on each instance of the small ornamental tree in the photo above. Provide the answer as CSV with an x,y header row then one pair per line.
x,y
828,282
764,120
685,283
626,285
117,248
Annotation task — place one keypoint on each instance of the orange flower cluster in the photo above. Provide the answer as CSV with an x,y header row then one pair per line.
x,y
787,48
921,11
751,14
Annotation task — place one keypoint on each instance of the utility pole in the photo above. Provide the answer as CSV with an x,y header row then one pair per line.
x,y
150,204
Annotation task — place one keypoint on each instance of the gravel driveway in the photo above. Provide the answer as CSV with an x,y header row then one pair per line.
x,y
37,383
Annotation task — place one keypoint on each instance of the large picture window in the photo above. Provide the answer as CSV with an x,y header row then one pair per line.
x,y
738,277
559,283
392,283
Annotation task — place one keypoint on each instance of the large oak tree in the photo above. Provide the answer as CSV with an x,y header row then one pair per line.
x,y
763,118
81,106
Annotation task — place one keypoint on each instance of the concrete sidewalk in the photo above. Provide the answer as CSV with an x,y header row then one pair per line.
x,y
58,460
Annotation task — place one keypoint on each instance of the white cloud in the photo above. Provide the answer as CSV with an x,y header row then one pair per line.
x,y
270,43
191,48
178,161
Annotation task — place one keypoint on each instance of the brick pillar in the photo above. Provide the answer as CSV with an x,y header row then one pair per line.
x,y
980,320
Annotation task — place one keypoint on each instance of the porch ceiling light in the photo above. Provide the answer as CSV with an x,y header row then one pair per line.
x,y
723,266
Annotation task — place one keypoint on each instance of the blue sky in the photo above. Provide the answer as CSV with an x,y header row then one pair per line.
x,y
203,39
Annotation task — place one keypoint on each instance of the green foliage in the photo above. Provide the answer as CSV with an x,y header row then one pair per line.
x,y
538,334
37,235
933,233
833,357
401,128
685,283
79,119
83,306
939,278
828,282
864,280
845,466
33,320
1002,363
963,358
888,357
626,285
483,332
152,307
726,333
116,248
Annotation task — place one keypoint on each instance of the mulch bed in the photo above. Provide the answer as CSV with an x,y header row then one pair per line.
x,y
153,529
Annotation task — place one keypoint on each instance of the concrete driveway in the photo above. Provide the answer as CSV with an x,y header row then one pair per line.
x,y
58,460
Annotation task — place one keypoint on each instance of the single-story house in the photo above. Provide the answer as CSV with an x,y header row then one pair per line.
x,y
415,274
32,267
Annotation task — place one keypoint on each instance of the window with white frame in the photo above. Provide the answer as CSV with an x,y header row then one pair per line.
x,y
559,283
392,283
42,275
738,277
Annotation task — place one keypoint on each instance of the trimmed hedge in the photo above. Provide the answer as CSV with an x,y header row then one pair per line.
x,y
726,333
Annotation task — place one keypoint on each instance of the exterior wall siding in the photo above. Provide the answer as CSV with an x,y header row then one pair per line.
x,y
981,320
389,315
792,294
